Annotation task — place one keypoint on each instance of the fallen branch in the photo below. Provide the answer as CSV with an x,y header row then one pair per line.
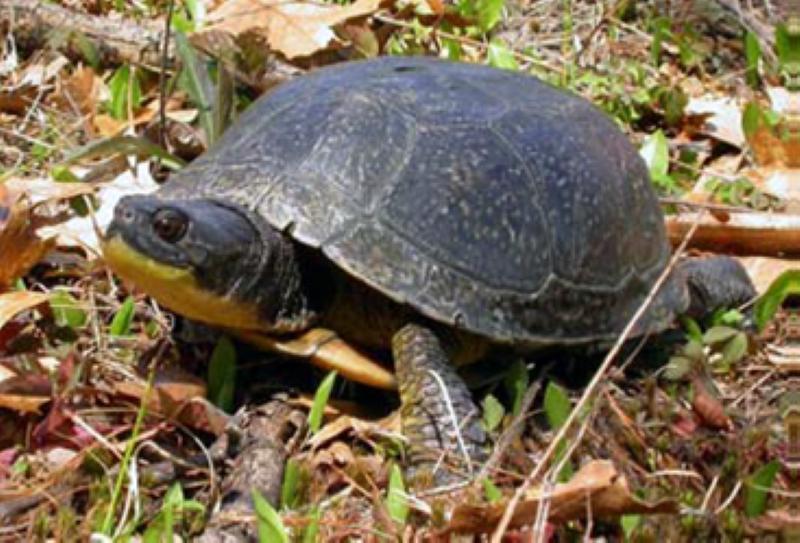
x,y
35,24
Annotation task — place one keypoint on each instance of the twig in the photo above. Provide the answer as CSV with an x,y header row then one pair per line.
x,y
593,387
162,76
115,40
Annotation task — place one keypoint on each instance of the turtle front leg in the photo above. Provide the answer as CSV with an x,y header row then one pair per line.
x,y
714,283
446,441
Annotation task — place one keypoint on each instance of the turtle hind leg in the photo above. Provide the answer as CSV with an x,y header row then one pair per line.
x,y
715,283
446,442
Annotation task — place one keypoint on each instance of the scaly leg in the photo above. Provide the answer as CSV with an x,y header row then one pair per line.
x,y
440,420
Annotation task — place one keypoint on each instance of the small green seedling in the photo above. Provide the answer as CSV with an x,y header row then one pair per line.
x,y
320,401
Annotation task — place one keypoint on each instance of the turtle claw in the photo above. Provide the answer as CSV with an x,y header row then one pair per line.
x,y
439,418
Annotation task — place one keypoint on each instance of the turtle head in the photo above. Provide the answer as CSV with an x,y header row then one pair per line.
x,y
205,259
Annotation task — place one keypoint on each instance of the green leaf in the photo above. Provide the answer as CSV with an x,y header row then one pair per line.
x,y
493,494
752,55
629,524
291,480
197,82
87,49
493,413
693,329
786,284
557,405
320,401
758,486
489,13
753,119
124,145
735,349
660,28
655,153
396,500
516,383
270,525
677,368
729,317
126,92
673,102
66,310
787,45
62,174
121,323
719,334
312,528
222,375
694,350
500,56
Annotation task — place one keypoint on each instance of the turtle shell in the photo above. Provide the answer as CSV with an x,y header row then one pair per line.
x,y
486,199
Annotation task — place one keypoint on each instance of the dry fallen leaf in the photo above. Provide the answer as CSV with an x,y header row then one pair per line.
x,y
598,482
79,93
722,119
20,245
22,218
293,28
172,387
708,407
14,303
25,393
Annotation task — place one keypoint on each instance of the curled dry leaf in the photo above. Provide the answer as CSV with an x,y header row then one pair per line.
x,y
179,395
598,482
25,393
708,407
22,220
721,119
292,28
20,245
14,303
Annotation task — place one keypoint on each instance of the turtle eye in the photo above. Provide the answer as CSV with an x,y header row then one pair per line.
x,y
170,225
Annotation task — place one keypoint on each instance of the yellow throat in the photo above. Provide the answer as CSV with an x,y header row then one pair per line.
x,y
177,288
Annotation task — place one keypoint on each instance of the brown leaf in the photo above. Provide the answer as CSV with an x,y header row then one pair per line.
x,y
20,246
776,146
25,393
21,243
200,414
708,407
172,388
293,28
598,482
14,303
778,520
79,93
719,118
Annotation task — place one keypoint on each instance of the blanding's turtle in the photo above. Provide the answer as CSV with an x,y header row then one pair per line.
x,y
433,209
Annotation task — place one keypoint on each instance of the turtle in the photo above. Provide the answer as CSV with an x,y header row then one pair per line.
x,y
433,210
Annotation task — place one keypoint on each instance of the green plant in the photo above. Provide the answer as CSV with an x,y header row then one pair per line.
x,y
320,401
126,92
557,408
176,511
123,319
396,498
270,525
742,192
222,374
758,487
